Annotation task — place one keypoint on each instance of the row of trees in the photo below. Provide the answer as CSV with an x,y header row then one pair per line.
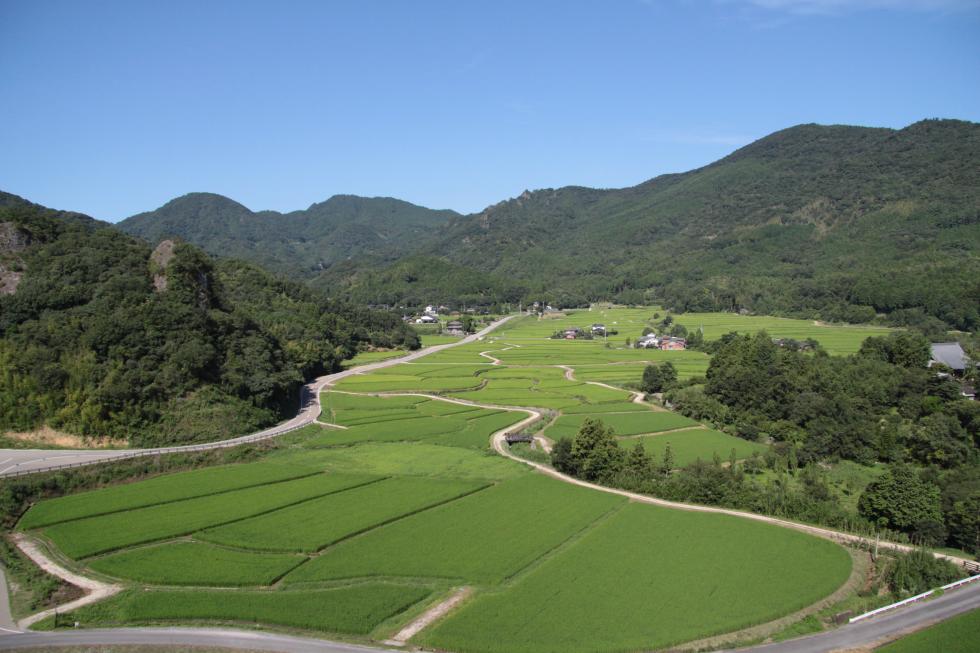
x,y
901,503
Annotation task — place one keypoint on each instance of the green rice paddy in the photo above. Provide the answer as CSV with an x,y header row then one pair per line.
x,y
691,445
649,578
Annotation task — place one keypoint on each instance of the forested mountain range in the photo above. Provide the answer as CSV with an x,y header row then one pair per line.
x,y
103,335
831,222
300,243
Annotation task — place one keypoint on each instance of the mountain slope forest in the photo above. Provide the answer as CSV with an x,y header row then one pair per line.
x,y
832,222
102,337
300,243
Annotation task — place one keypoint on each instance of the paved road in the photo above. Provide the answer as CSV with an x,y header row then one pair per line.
x,y
882,627
14,462
7,624
214,637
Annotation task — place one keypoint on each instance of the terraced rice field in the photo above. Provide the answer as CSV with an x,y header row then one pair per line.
x,y
312,525
349,529
691,445
649,578
409,418
194,563
354,610
484,537
631,423
84,537
164,489
836,339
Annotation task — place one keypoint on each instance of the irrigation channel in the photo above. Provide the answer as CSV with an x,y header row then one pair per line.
x,y
865,632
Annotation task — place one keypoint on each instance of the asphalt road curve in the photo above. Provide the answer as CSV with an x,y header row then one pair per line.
x,y
883,627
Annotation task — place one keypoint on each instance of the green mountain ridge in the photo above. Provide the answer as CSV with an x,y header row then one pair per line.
x,y
830,222
298,243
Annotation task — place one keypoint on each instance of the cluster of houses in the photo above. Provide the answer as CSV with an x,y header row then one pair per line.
x,y
431,316
665,343
596,330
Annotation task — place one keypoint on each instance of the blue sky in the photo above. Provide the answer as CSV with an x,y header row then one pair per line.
x,y
112,108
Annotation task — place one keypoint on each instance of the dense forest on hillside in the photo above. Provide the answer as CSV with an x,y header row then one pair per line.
x,y
100,338
881,407
832,222
300,243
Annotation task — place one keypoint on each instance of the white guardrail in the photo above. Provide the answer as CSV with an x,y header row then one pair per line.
x,y
913,599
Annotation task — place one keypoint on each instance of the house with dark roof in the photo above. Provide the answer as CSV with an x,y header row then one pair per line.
x,y
455,328
950,354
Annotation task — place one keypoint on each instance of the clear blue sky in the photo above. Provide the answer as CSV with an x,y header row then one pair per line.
x,y
112,108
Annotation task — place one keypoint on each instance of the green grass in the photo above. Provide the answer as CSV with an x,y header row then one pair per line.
x,y
364,357
85,537
160,489
193,563
631,423
649,578
614,407
482,538
355,610
430,339
961,634
411,458
688,446
470,429
312,525
835,338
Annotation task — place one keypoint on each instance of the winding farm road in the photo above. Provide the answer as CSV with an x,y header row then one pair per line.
x,y
16,462
863,634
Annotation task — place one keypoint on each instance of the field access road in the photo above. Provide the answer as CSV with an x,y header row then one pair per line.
x,y
15,462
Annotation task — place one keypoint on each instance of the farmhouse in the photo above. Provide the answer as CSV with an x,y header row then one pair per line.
x,y
673,344
455,328
598,329
649,341
950,354
427,319
573,333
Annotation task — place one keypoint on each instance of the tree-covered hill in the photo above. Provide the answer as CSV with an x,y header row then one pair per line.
x,y
835,222
100,336
831,222
299,243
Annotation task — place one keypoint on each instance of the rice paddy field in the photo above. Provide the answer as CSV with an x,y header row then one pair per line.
x,y
660,582
690,445
354,526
